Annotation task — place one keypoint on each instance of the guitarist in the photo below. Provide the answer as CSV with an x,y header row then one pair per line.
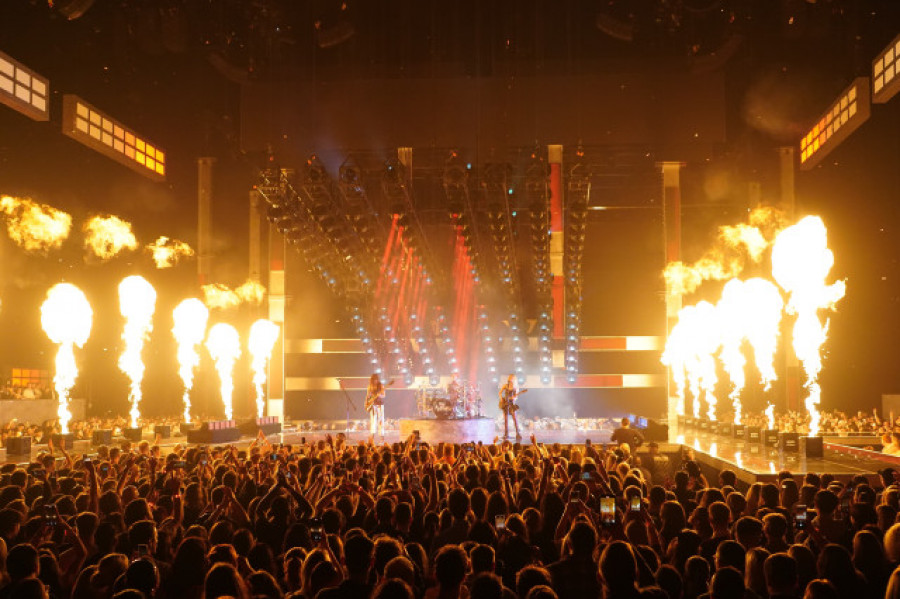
x,y
375,405
508,395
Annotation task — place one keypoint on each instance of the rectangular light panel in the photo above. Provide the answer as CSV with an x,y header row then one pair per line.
x,y
87,125
885,75
23,90
846,114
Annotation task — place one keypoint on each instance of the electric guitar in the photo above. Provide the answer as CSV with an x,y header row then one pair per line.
x,y
371,398
508,400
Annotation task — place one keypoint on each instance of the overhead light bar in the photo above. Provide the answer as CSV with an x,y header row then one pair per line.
x,y
845,116
885,75
98,131
23,90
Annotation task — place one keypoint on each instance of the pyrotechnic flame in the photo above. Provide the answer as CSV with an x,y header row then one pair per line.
x,y
745,236
733,312
167,252
263,335
224,347
106,236
748,310
137,302
251,292
190,318
770,416
682,278
35,227
801,261
727,259
690,351
216,295
66,319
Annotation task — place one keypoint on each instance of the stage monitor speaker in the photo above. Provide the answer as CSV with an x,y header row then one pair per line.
x,y
18,446
133,434
59,438
789,442
101,436
656,431
163,431
812,447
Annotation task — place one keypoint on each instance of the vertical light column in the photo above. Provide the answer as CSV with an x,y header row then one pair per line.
x,y
275,387
255,250
557,241
792,374
204,218
671,204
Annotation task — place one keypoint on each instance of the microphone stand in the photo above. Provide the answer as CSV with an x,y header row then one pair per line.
x,y
349,404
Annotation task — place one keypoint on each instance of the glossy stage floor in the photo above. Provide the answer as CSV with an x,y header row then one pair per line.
x,y
844,457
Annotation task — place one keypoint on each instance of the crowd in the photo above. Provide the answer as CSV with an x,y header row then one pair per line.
x,y
335,520
29,391
80,429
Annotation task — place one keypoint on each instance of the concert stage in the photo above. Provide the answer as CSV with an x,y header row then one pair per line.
x,y
754,462
462,430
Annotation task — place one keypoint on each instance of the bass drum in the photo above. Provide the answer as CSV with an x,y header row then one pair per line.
x,y
443,408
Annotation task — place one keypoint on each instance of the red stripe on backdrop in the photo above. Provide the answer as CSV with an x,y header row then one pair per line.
x,y
588,343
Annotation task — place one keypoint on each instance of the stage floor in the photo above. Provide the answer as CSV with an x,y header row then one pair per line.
x,y
754,462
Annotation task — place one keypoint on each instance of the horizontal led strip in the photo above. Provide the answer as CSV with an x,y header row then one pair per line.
x,y
583,381
23,90
885,75
93,128
587,344
849,111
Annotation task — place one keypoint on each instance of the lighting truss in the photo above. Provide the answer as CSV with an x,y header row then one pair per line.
x,y
843,117
98,131
886,73
578,188
23,90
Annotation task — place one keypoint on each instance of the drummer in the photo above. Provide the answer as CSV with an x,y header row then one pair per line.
x,y
454,388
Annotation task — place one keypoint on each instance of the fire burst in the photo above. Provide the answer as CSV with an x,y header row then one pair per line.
x,y
749,310
107,236
190,318
35,227
66,318
224,347
801,262
689,352
137,302
167,252
263,335
217,295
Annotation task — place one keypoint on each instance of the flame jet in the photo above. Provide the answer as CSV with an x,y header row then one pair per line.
x,y
263,335
66,317
190,318
107,236
137,302
801,261
35,227
690,352
748,310
167,252
224,346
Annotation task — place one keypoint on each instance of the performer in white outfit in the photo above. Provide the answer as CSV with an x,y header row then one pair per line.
x,y
375,405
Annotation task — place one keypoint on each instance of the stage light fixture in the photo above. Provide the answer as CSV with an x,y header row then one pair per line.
x,y
846,115
886,73
23,90
98,131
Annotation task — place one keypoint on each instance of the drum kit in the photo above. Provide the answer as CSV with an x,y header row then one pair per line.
x,y
460,401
